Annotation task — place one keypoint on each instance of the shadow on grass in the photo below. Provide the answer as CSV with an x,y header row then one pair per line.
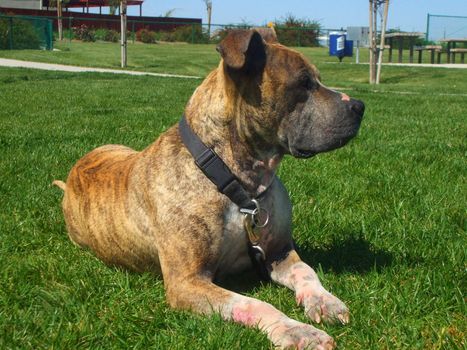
x,y
397,78
243,282
354,254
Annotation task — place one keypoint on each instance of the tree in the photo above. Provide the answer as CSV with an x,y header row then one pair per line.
x,y
374,9
114,4
383,32
169,13
123,41
58,4
209,10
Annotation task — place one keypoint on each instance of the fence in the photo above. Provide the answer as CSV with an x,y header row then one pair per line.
x,y
104,28
445,27
194,33
25,32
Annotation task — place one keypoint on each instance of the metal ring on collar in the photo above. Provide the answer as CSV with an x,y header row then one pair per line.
x,y
256,215
258,249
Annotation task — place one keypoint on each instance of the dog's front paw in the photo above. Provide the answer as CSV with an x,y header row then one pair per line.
x,y
297,335
323,306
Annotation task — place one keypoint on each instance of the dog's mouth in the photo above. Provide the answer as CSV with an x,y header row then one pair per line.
x,y
301,152
307,146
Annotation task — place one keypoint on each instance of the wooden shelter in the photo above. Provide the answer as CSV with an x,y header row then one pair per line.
x,y
87,4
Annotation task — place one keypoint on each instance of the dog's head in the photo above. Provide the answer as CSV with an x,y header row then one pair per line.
x,y
282,101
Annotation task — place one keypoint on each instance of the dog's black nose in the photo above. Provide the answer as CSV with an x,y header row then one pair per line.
x,y
358,107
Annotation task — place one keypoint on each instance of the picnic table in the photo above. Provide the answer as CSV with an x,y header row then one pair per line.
x,y
432,49
399,38
451,49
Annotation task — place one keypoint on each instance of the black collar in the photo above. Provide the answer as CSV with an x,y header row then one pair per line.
x,y
214,167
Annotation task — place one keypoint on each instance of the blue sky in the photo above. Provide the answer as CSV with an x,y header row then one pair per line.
x,y
408,15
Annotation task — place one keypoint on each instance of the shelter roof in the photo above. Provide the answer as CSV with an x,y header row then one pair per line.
x,y
91,3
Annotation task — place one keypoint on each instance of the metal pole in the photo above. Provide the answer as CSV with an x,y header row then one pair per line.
x,y
370,34
192,33
10,33
70,31
50,41
123,41
427,26
381,45
357,55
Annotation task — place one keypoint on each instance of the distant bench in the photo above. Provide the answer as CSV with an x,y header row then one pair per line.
x,y
432,49
398,38
451,49
455,51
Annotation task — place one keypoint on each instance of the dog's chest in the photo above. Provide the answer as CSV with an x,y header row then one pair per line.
x,y
234,251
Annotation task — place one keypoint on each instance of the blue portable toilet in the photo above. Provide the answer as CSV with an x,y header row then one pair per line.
x,y
337,45
348,48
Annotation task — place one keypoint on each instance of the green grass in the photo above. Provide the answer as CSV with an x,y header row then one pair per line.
x,y
175,58
160,58
382,220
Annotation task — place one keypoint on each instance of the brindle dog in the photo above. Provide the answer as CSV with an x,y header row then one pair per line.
x,y
155,210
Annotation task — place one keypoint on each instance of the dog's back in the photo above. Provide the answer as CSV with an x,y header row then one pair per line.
x,y
96,192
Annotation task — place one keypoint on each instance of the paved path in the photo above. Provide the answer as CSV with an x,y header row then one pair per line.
x,y
5,62
441,65
425,65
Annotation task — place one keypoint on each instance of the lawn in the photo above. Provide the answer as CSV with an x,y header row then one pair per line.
x,y
382,220
175,58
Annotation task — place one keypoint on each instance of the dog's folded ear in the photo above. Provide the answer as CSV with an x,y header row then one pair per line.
x,y
268,34
243,50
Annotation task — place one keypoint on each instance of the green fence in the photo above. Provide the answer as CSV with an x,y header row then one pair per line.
x,y
91,29
25,32
105,29
445,27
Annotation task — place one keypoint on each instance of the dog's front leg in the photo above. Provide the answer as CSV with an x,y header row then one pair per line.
x,y
319,304
202,296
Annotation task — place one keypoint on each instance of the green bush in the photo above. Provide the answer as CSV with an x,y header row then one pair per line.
x,y
292,31
146,36
84,33
23,34
104,34
100,34
186,33
164,36
190,34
